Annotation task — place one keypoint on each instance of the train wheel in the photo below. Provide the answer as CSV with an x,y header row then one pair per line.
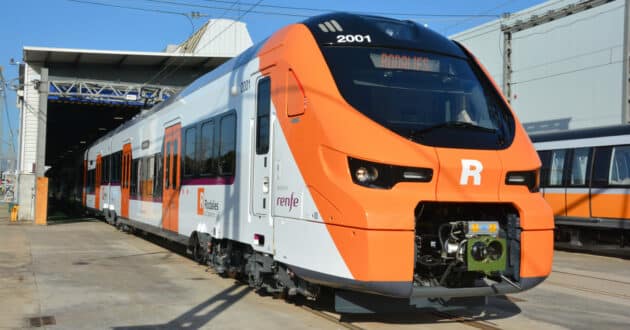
x,y
113,218
107,216
198,252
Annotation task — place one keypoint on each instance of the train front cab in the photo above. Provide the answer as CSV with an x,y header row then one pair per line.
x,y
386,187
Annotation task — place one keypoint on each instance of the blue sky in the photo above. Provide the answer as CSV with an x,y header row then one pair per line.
x,y
70,24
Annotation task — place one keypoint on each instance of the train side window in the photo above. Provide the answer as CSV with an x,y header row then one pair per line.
x,y
157,181
206,160
601,166
580,166
263,105
619,173
108,171
90,181
545,159
190,151
114,167
227,145
105,174
134,177
147,177
120,167
557,167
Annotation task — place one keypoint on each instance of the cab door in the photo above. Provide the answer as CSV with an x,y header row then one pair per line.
x,y
171,178
97,182
125,180
261,167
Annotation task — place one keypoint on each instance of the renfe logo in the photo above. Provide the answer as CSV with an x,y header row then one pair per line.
x,y
290,202
471,168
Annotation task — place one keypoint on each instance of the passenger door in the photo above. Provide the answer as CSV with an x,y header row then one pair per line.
x,y
261,226
578,181
555,192
125,181
171,179
610,192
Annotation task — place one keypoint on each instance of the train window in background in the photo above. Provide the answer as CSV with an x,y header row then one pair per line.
x,y
580,166
206,160
262,116
601,166
620,166
557,167
545,159
190,146
227,145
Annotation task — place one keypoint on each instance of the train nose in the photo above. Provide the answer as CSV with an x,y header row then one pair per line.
x,y
466,175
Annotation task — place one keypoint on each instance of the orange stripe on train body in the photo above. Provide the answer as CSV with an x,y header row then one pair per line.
x,y
376,243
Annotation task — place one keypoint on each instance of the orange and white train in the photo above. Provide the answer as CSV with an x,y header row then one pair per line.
x,y
359,153
586,181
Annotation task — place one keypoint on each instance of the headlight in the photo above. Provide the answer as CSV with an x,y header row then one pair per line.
x,y
366,175
530,179
479,251
494,250
375,175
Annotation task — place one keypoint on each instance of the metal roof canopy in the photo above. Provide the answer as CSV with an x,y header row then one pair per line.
x,y
48,56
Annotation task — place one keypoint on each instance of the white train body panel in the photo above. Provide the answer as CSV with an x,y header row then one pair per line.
x,y
232,211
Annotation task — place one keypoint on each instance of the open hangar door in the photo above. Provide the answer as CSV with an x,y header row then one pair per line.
x,y
70,128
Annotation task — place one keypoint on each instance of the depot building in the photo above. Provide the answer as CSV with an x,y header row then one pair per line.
x,y
68,98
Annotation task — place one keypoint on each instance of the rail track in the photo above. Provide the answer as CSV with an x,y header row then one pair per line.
x,y
582,288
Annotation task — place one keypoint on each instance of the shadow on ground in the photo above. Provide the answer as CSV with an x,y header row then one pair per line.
x,y
200,315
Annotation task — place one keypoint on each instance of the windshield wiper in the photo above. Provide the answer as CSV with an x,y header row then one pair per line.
x,y
451,124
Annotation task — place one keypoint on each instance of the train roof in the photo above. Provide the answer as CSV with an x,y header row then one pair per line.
x,y
582,133
386,32
383,32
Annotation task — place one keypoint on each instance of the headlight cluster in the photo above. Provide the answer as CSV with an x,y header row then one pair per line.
x,y
376,175
531,179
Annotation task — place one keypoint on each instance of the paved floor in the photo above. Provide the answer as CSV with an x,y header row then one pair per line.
x,y
87,275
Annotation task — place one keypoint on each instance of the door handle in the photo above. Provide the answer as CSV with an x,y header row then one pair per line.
x,y
265,187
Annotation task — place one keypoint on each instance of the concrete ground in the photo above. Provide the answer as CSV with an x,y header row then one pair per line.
x,y
88,275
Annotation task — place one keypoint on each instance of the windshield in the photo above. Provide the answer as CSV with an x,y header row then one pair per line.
x,y
430,98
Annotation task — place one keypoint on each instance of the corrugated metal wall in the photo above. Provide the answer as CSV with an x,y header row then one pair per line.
x,y
568,70
29,121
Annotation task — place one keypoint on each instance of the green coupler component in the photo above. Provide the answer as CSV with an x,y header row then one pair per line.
x,y
486,254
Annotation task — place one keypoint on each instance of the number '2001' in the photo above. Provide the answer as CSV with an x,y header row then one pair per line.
x,y
349,38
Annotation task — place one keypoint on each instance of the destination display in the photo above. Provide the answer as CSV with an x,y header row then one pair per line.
x,y
404,62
